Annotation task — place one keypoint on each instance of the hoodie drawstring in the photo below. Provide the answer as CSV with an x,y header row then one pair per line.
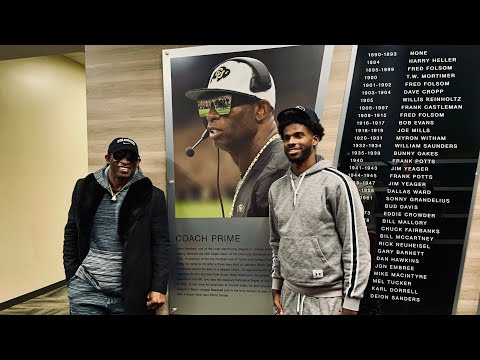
x,y
300,300
295,189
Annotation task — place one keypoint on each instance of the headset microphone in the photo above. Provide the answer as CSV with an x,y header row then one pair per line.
x,y
190,150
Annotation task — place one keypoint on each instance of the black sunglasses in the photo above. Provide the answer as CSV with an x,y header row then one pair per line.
x,y
130,155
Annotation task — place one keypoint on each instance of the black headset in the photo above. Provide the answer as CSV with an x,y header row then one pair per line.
x,y
260,80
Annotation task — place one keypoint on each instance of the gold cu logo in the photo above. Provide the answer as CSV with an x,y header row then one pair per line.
x,y
220,73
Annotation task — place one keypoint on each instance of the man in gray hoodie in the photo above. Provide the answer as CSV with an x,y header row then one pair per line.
x,y
319,240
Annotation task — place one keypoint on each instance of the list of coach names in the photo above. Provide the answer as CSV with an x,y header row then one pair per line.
x,y
410,142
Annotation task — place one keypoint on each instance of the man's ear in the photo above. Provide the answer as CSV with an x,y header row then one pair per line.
x,y
316,140
107,158
263,109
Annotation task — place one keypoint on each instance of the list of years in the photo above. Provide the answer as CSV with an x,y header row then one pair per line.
x,y
396,138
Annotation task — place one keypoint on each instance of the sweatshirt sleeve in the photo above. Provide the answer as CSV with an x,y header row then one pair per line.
x,y
277,280
350,224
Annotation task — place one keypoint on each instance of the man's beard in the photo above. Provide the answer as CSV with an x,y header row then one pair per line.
x,y
300,158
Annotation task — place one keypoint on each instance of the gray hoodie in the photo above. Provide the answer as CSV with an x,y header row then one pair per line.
x,y
318,235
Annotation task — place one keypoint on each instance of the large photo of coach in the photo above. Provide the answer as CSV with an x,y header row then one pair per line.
x,y
227,151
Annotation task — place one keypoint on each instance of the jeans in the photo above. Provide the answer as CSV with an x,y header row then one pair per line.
x,y
86,299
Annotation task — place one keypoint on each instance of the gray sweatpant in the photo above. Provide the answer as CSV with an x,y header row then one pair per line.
x,y
298,304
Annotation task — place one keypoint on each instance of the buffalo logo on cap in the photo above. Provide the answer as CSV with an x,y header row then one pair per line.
x,y
220,73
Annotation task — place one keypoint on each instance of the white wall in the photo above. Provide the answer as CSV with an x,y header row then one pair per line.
x,y
43,150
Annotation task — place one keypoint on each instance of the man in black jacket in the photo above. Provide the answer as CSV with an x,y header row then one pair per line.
x,y
116,245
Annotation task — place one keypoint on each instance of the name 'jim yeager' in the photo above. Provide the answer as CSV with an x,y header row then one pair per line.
x,y
207,238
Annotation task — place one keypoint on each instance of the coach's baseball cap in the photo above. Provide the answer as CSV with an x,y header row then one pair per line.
x,y
245,76
122,143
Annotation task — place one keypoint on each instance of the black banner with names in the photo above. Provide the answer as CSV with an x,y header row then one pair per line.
x,y
410,141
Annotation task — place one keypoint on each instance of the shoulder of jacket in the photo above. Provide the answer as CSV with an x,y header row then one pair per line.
x,y
145,180
157,190
87,180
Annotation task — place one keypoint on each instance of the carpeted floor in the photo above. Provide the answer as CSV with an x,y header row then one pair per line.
x,y
52,303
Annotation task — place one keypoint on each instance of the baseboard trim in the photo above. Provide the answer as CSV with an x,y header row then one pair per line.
x,y
22,298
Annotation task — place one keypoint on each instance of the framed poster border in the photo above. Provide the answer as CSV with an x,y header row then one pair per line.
x,y
250,229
